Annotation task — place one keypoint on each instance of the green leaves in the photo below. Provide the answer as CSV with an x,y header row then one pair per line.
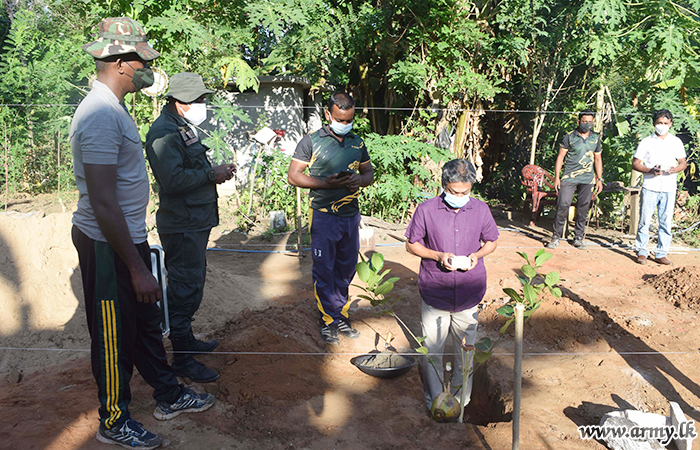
x,y
400,175
506,311
513,295
234,67
541,257
377,262
529,271
551,278
363,271
530,294
531,288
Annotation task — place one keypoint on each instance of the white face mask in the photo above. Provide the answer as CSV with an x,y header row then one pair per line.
x,y
196,114
456,201
661,129
341,129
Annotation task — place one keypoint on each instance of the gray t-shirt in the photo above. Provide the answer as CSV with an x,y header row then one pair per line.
x,y
103,132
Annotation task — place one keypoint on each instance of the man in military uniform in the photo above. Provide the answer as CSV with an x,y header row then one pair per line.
x,y
579,154
338,165
188,211
109,233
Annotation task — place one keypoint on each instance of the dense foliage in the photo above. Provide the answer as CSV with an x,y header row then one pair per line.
x,y
504,78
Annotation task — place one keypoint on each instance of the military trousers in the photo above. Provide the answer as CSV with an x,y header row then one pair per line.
x,y
186,262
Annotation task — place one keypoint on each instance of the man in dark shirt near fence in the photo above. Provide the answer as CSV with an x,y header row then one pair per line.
x,y
579,153
338,165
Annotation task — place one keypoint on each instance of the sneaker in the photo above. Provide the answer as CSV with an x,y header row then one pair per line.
x,y
641,259
189,402
578,243
329,334
130,434
347,330
554,243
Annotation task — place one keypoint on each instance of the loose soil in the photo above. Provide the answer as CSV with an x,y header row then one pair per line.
x,y
616,339
679,286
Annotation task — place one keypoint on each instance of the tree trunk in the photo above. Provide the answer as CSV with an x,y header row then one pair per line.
x,y
369,99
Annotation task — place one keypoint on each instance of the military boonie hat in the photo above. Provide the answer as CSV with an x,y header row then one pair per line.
x,y
119,36
187,87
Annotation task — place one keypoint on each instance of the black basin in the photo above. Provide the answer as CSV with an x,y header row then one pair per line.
x,y
402,365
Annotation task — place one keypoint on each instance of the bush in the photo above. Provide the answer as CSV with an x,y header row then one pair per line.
x,y
401,175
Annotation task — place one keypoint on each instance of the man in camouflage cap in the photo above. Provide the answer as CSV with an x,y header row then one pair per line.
x,y
109,233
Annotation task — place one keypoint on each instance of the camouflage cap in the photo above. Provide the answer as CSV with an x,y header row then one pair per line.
x,y
187,87
119,36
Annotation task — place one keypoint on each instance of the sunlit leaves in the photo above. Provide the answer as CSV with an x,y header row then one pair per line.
x,y
533,284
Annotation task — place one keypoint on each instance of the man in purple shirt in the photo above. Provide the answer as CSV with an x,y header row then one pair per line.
x,y
451,233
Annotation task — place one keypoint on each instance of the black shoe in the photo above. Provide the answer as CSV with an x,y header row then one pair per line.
x,y
347,330
189,402
197,347
578,243
186,366
130,434
554,243
329,334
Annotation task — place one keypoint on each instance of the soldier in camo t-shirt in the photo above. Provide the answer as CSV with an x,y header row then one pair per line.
x,y
579,154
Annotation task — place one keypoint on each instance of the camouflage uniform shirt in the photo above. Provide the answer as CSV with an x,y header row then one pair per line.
x,y
327,155
578,162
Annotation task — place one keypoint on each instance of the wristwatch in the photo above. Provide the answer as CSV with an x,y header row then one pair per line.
x,y
211,174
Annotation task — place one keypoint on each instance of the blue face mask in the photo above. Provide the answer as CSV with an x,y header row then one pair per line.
x,y
341,129
456,201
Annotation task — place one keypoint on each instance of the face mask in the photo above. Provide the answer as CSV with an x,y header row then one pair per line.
x,y
142,78
196,114
456,201
661,129
341,129
585,127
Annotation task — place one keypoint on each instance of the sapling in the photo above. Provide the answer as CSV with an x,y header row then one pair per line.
x,y
377,291
534,284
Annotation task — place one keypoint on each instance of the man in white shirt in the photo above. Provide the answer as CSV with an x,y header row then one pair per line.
x,y
659,157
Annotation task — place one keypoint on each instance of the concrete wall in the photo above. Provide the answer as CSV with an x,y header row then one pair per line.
x,y
281,103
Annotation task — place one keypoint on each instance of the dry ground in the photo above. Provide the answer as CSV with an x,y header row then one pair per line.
x,y
622,336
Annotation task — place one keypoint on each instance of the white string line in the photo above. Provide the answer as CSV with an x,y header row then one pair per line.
x,y
82,350
376,108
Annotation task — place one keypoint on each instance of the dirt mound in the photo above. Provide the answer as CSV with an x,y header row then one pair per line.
x,y
680,286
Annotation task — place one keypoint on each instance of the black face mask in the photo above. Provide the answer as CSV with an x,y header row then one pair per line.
x,y
142,78
585,127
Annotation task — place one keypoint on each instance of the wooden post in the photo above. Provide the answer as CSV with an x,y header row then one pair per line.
x,y
7,171
518,371
252,176
635,180
299,249
58,161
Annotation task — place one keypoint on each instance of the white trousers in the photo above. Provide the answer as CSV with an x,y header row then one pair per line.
x,y
437,325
